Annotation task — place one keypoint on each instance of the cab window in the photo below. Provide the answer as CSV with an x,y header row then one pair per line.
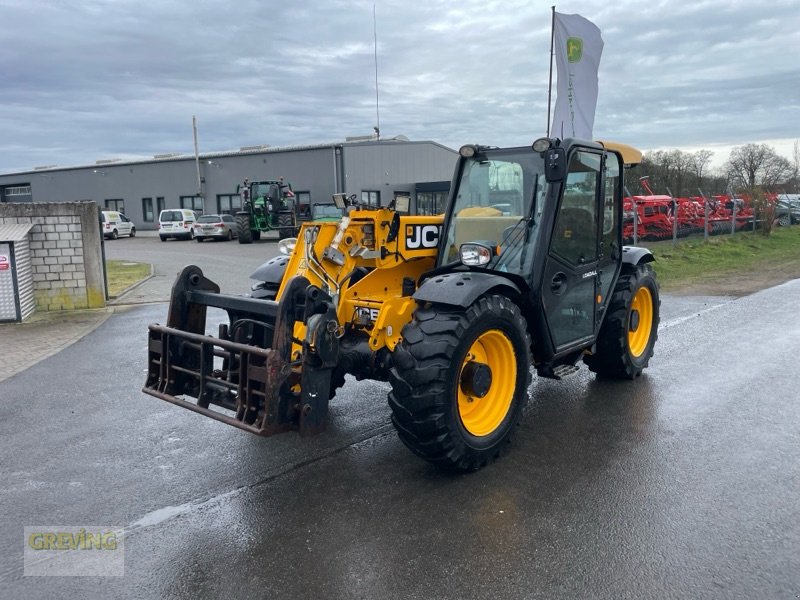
x,y
575,235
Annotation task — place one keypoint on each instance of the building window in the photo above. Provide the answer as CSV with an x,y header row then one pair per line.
x,y
17,192
117,204
147,210
194,203
431,203
228,204
303,200
371,198
160,204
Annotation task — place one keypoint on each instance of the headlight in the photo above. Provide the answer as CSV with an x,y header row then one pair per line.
x,y
542,144
474,255
286,245
467,151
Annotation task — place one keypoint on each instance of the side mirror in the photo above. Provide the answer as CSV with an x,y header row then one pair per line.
x,y
555,164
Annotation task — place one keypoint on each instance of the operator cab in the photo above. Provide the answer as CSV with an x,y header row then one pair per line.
x,y
548,218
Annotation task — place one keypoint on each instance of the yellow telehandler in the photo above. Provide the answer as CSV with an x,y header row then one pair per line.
x,y
525,269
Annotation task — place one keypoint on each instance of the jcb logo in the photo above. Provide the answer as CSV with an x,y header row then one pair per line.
x,y
366,314
422,236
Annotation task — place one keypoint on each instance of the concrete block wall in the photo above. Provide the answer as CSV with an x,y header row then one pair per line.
x,y
65,252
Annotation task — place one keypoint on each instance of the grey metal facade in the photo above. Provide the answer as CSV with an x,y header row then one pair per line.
x,y
16,280
387,166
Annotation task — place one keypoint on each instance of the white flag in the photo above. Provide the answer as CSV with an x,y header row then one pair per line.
x,y
578,47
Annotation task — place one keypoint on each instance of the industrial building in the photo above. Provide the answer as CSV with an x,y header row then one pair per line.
x,y
373,169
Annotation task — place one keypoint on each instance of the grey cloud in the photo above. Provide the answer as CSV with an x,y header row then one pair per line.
x,y
93,79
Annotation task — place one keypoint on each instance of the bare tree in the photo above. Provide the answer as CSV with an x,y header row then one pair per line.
x,y
796,167
700,161
682,172
757,165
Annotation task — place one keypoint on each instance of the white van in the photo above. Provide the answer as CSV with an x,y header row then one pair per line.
x,y
176,223
115,224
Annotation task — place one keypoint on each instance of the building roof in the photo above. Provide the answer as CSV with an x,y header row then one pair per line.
x,y
246,151
14,232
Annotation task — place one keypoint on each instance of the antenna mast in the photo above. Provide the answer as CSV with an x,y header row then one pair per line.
x,y
550,80
377,103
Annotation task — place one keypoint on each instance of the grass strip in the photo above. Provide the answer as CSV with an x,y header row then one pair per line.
x,y
122,274
693,260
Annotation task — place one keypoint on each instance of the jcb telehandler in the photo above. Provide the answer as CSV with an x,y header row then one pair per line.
x,y
526,268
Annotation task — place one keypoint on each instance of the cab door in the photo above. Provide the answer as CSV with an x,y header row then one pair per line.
x,y
569,287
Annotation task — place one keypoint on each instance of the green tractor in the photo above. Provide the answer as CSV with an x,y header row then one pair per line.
x,y
266,206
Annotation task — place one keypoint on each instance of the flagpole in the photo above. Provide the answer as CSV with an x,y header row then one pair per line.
x,y
550,82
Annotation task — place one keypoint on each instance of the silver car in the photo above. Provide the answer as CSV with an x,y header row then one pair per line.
x,y
215,227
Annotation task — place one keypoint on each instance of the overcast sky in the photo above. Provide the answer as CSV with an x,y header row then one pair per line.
x,y
83,80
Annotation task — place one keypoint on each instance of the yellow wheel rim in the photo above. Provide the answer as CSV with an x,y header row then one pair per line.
x,y
640,321
482,415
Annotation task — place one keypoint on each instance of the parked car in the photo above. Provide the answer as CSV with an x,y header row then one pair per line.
x,y
216,227
115,224
787,209
176,223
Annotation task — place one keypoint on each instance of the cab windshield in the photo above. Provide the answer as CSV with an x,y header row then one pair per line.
x,y
499,199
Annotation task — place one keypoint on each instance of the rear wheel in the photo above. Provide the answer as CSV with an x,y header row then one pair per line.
x,y
784,220
163,238
198,239
245,235
630,329
460,381
114,235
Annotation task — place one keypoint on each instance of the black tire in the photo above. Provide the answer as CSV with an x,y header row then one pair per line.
x,y
163,238
191,235
230,235
624,348
429,398
198,239
285,226
784,220
245,235
133,232
114,234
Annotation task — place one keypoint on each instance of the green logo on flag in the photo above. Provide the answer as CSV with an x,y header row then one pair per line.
x,y
574,49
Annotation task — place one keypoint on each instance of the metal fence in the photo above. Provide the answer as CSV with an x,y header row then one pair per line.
x,y
665,217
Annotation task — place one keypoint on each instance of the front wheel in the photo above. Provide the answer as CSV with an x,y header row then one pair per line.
x,y
133,231
243,225
285,226
460,381
630,329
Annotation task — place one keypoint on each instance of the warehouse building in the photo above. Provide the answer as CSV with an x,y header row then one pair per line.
x,y
374,170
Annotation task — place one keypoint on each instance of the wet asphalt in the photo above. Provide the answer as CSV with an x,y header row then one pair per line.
x,y
682,484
